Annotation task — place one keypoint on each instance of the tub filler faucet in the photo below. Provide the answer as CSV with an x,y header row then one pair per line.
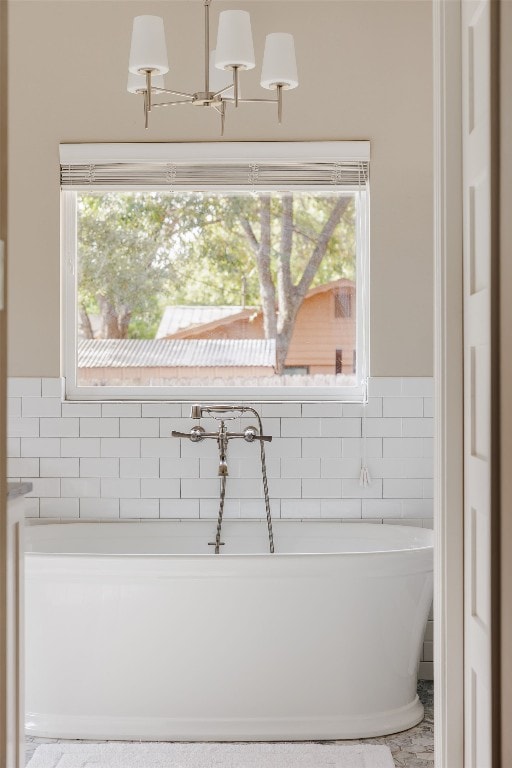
x,y
222,435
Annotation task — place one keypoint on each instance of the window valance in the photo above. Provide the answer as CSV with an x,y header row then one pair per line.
x,y
239,165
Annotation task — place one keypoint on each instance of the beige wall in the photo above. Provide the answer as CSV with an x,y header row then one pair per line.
x,y
365,70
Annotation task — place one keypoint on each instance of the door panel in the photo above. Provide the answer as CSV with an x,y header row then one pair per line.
x,y
478,372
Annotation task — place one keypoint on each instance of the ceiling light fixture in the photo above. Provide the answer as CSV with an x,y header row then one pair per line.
x,y
222,66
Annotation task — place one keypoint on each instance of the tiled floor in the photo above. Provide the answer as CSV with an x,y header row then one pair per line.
x,y
413,748
410,749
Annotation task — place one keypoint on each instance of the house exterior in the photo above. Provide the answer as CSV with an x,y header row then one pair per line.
x,y
324,337
228,343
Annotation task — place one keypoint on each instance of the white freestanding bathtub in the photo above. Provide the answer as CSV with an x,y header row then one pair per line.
x,y
137,631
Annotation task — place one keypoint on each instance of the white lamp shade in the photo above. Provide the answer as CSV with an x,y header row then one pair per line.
x,y
137,83
148,50
279,64
234,41
219,78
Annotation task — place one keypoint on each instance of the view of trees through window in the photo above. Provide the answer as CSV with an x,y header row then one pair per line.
x,y
216,288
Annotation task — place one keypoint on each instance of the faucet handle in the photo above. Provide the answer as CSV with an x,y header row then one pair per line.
x,y
196,434
251,434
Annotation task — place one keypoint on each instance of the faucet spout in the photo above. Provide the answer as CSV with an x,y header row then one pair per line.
x,y
222,442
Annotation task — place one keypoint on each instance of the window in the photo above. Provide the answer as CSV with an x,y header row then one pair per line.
x,y
343,302
212,276
339,361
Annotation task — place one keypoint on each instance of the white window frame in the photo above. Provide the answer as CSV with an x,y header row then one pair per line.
x,y
225,151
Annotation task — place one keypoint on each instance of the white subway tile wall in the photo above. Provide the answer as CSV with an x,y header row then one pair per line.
x,y
97,460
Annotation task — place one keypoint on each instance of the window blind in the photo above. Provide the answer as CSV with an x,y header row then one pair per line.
x,y
271,165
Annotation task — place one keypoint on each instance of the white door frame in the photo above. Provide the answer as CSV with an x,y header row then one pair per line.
x,y
505,30
448,374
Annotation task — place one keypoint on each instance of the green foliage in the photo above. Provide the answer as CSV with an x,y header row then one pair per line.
x,y
141,251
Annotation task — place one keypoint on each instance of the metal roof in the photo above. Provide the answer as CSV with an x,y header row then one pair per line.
x,y
170,353
178,318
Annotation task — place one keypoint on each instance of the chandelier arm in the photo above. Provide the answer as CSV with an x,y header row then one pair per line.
x,y
222,118
172,103
148,89
250,101
236,86
226,88
221,109
173,93
146,113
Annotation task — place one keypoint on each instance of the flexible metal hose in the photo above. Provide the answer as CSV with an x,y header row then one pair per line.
x,y
265,481
221,512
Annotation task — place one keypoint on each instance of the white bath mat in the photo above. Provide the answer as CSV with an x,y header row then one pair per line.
x,y
150,755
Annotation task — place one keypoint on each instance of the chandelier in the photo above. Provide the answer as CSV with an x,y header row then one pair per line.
x,y
222,66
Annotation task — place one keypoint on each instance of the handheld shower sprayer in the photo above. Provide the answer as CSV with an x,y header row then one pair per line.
x,y
197,411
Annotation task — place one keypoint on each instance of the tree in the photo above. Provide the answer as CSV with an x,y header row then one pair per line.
x,y
140,251
285,294
120,268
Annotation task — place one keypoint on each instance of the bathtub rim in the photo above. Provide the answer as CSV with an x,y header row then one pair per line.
x,y
344,524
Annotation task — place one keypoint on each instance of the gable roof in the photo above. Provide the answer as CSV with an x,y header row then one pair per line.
x,y
332,286
183,316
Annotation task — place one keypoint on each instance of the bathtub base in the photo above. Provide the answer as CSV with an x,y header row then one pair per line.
x,y
213,729
193,647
